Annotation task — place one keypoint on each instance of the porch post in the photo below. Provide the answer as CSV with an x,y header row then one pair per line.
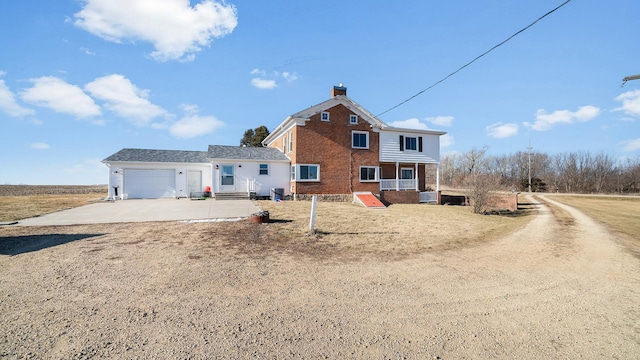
x,y
417,177
397,181
437,177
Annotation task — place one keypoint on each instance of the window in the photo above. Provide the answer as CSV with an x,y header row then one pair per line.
x,y
324,116
291,141
353,119
284,143
368,173
410,143
305,172
406,173
264,169
360,140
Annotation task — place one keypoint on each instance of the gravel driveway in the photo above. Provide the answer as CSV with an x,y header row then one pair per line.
x,y
188,291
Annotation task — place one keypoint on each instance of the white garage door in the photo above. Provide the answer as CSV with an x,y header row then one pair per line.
x,y
149,184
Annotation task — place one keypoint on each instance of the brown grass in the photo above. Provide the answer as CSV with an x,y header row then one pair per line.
x,y
14,208
400,229
344,231
620,214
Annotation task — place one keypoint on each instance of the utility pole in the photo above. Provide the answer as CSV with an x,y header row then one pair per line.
x,y
632,77
529,148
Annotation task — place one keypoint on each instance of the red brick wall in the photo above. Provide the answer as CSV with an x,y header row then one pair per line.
x,y
400,197
328,143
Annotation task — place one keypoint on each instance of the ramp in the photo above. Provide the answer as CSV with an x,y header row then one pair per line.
x,y
368,200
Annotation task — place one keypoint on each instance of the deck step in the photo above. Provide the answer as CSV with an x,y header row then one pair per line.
x,y
232,196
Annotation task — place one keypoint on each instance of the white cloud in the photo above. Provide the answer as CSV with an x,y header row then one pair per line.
x,y
263,84
268,81
630,103
632,145
125,99
446,140
39,146
58,95
441,120
192,126
289,76
8,102
546,121
501,131
412,123
175,28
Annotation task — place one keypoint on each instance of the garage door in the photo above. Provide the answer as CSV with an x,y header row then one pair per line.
x,y
149,184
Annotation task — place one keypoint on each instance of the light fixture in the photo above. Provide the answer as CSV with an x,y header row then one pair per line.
x,y
217,167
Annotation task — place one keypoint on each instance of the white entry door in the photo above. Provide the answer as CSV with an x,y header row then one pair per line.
x,y
194,181
227,178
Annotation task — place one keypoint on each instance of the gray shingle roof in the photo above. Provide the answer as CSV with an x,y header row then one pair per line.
x,y
245,153
150,155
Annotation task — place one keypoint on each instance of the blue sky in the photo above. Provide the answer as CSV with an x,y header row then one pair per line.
x,y
79,80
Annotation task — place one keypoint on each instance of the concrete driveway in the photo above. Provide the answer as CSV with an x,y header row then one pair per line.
x,y
146,210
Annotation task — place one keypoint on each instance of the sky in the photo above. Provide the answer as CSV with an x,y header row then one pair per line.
x,y
82,79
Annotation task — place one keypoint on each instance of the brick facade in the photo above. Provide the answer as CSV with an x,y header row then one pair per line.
x,y
329,144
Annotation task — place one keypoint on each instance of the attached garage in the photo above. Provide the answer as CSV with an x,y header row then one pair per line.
x,y
149,183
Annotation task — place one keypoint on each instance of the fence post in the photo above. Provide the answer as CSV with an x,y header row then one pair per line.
x,y
312,221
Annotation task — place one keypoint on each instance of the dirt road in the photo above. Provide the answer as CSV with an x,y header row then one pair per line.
x,y
186,291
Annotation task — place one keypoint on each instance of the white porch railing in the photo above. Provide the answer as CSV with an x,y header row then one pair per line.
x,y
251,186
398,184
428,197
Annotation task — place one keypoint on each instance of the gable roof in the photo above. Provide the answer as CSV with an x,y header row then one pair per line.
x,y
150,155
301,116
245,153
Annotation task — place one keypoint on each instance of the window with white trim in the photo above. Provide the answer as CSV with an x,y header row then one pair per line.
x,y
369,174
360,139
284,143
406,173
324,116
305,172
264,169
290,141
353,119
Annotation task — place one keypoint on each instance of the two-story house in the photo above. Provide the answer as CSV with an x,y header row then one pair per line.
x,y
337,148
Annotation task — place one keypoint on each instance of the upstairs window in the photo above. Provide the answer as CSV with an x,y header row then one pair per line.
x,y
360,140
411,143
353,119
264,169
324,116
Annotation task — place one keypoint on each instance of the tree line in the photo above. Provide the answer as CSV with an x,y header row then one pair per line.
x,y
570,172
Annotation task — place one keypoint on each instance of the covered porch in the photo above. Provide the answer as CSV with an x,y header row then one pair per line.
x,y
414,177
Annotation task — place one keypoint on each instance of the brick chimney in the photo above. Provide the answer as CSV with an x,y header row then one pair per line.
x,y
338,90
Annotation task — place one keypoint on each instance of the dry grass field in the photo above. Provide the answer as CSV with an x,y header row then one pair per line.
x,y
620,214
409,281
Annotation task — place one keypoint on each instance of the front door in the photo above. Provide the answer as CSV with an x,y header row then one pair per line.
x,y
194,182
227,178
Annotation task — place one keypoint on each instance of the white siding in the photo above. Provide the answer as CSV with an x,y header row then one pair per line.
x,y
390,148
278,176
118,170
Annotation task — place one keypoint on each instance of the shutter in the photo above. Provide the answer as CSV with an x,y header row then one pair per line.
x,y
420,144
401,143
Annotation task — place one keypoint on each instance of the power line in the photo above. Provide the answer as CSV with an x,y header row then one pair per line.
x,y
477,57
